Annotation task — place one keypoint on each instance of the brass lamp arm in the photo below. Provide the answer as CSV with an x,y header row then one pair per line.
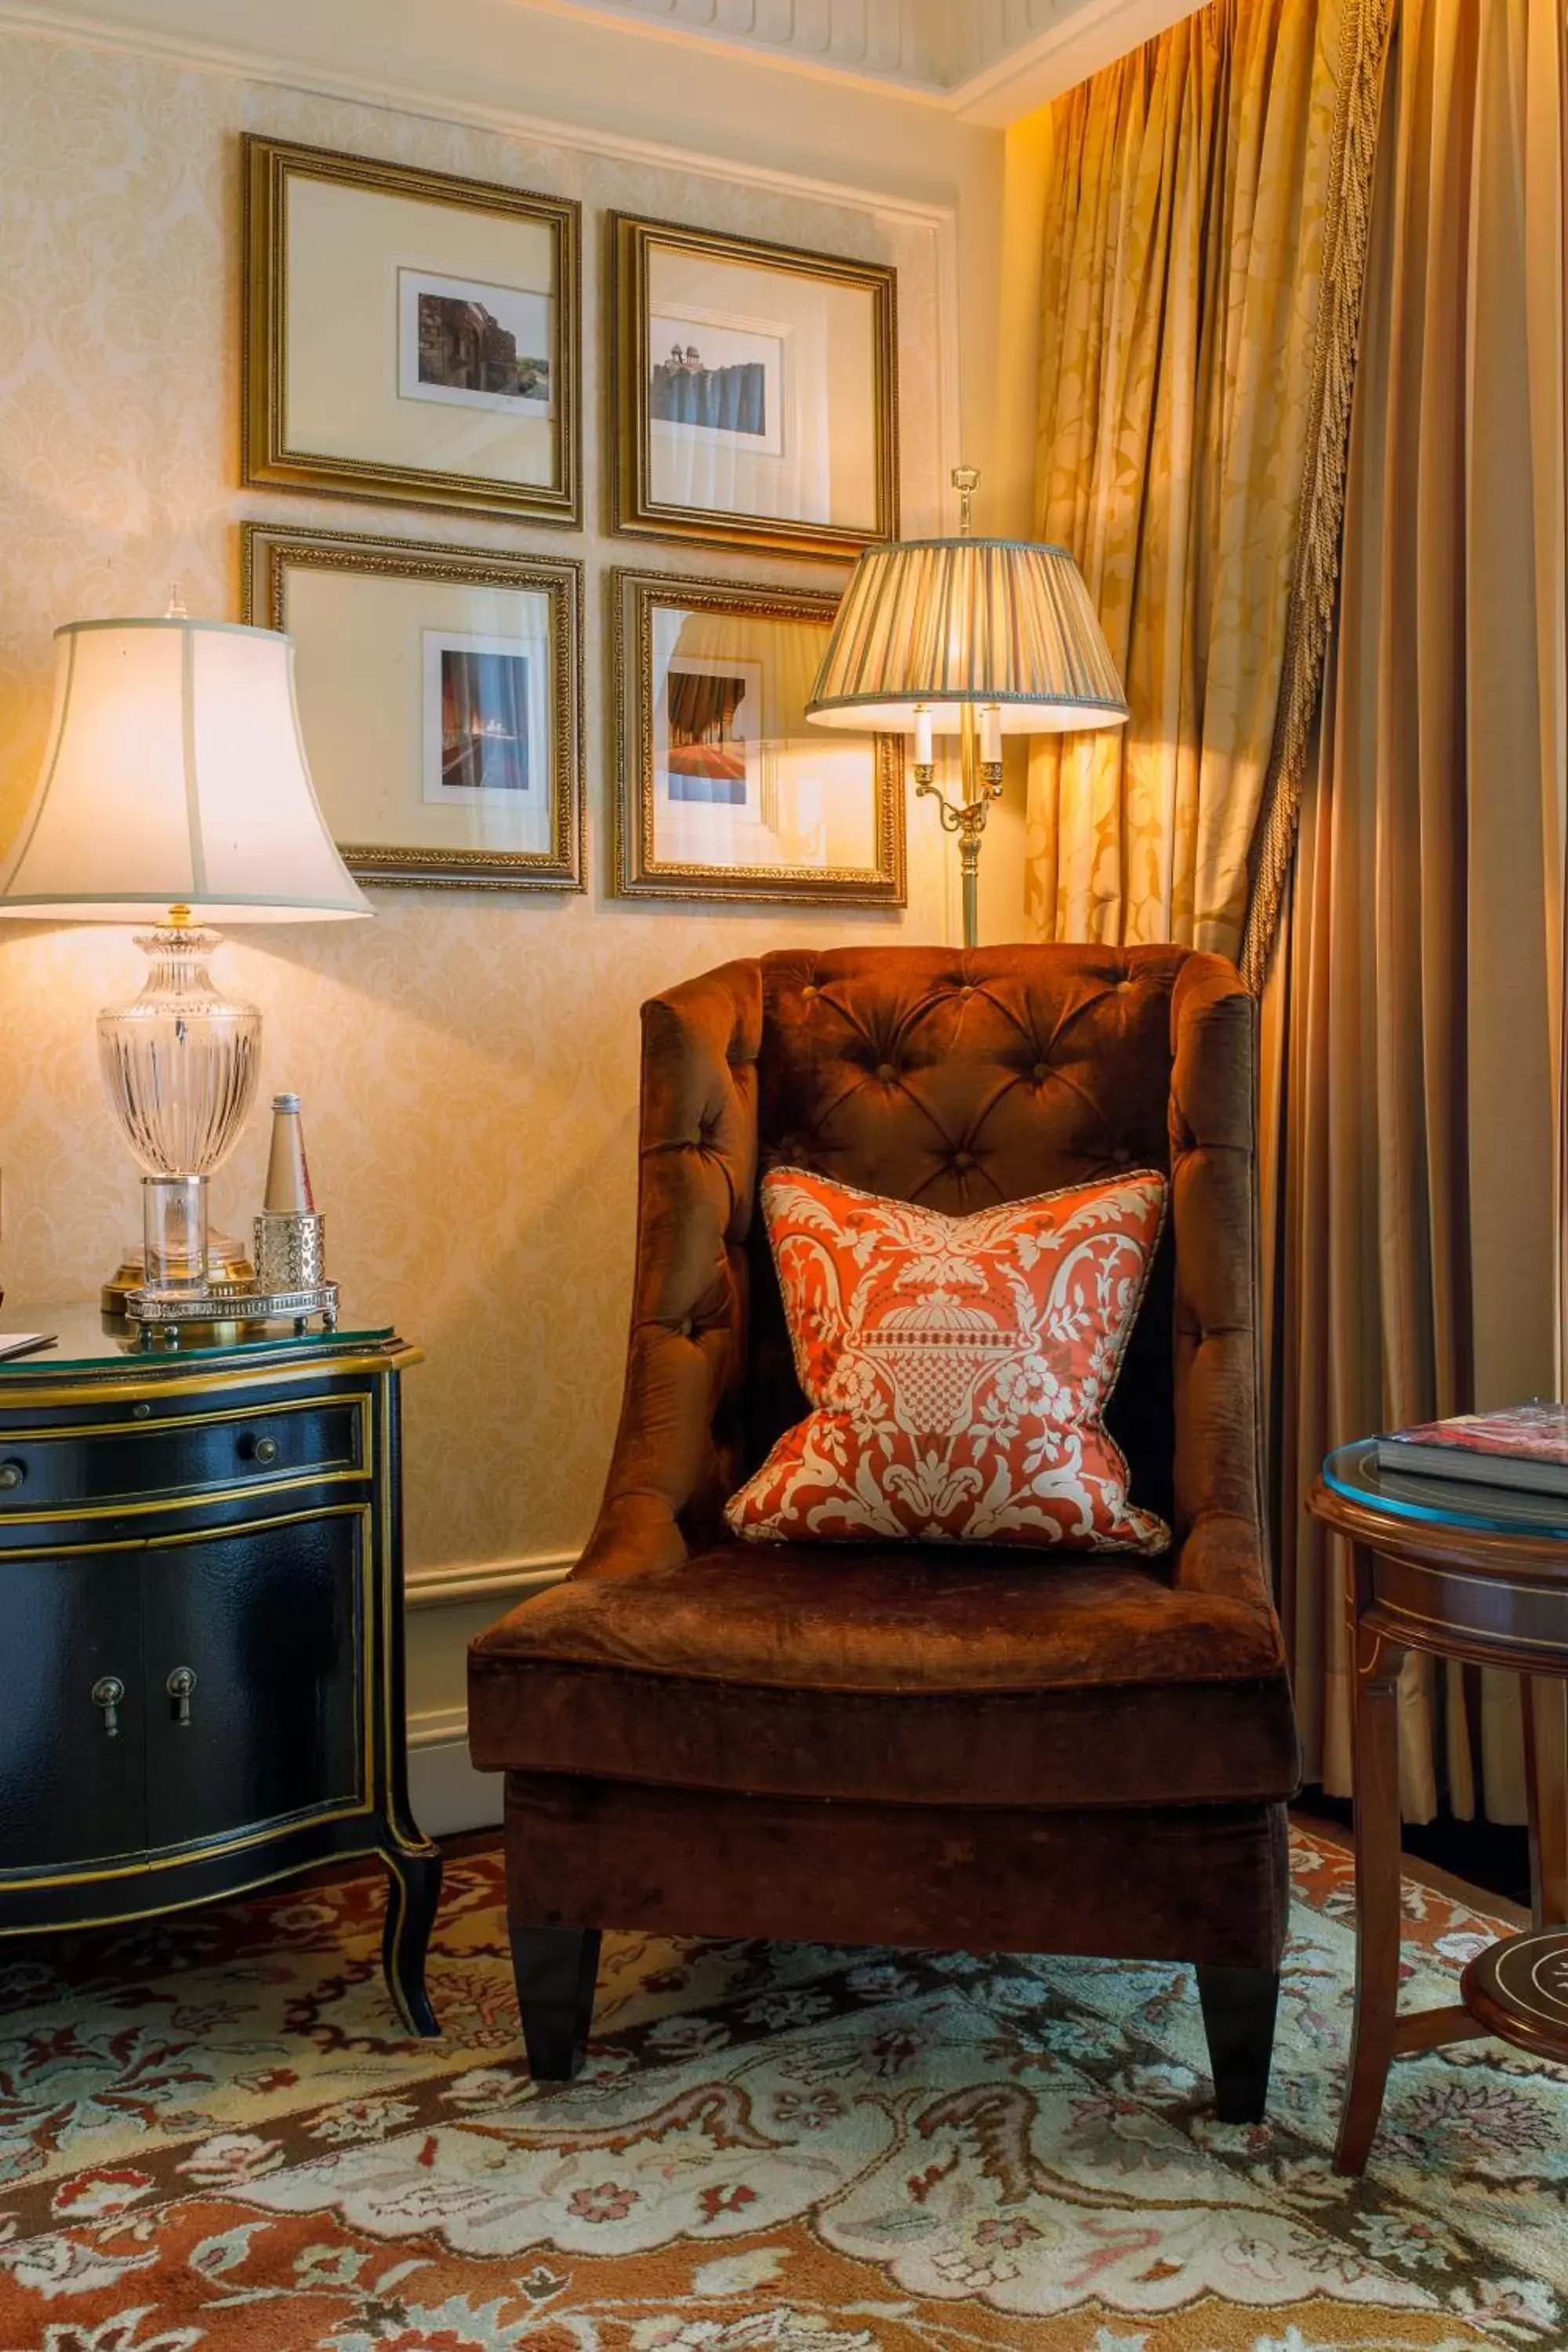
x,y
967,819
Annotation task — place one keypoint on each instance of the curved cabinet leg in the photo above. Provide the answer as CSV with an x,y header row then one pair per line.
x,y
1375,1772
555,1970
413,1890
1239,2007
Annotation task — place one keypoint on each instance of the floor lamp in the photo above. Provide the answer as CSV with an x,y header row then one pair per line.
x,y
972,638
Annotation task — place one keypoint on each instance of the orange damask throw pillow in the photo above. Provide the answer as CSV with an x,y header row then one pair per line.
x,y
958,1368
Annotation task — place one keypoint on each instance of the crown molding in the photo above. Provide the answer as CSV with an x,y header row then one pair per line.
x,y
295,44
1018,81
990,62
884,45
985,71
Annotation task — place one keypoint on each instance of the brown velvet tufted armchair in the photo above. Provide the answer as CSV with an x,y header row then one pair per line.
x,y
949,1746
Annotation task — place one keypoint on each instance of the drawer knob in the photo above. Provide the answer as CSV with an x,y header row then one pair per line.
x,y
108,1692
182,1682
260,1450
11,1475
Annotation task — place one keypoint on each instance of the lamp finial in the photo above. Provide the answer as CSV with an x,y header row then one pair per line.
x,y
177,610
966,482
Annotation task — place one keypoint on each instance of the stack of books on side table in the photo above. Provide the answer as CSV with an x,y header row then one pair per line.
x,y
1508,1465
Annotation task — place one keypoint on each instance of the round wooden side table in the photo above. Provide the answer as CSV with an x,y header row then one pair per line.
x,y
1462,1585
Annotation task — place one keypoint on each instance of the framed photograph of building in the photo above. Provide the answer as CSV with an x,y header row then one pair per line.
x,y
754,393
440,699
409,335
723,788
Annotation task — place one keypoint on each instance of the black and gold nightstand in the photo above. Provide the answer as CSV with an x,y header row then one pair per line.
x,y
201,1628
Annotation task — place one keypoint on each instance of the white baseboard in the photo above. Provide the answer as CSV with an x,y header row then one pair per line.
x,y
446,1792
485,1579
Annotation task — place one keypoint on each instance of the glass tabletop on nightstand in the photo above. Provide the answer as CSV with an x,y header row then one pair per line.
x,y
86,1339
1354,1471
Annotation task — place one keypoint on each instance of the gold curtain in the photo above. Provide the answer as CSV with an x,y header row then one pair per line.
x,y
1412,1020
1204,233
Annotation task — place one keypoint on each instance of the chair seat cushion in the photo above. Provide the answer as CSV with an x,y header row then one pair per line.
x,y
910,1677
958,1366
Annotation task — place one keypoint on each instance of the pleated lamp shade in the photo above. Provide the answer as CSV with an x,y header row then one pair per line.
x,y
935,625
175,775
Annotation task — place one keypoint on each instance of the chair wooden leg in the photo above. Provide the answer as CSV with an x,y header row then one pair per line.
x,y
556,1969
1239,2006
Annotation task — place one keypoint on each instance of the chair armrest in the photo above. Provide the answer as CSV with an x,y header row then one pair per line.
x,y
633,1534
1226,1556
697,1156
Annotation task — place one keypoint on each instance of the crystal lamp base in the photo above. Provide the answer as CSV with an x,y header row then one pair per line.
x,y
180,1064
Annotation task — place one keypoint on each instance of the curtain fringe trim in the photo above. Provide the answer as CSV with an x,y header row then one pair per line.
x,y
1364,46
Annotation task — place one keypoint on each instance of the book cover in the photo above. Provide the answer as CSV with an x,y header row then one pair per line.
x,y
1532,1432
1524,1448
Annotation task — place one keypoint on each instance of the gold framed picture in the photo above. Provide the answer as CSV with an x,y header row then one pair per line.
x,y
409,336
440,696
754,392
724,790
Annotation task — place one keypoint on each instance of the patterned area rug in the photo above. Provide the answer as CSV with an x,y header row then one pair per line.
x,y
211,2135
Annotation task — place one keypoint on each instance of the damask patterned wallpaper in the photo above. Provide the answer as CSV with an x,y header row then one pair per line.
x,y
468,1064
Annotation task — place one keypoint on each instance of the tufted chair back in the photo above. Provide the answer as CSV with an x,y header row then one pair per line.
x,y
958,1080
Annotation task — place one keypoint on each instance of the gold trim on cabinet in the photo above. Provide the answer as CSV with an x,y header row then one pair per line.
x,y
638,874
634,511
250,1834
267,552
177,1499
388,1507
114,1388
186,1535
164,1906
266,459
176,1857
51,1436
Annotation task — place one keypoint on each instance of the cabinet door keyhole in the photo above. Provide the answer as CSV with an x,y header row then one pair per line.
x,y
108,1692
180,1685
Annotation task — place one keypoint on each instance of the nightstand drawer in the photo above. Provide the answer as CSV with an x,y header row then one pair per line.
x,y
129,1460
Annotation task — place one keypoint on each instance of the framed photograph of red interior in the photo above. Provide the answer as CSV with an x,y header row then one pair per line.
x,y
723,788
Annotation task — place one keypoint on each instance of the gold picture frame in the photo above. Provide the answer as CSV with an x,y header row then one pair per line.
x,y
781,432
726,793
468,680
390,316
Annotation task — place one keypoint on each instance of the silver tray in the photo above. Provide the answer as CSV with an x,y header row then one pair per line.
x,y
169,1312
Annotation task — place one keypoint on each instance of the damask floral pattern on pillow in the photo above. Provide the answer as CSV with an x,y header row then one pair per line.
x,y
958,1368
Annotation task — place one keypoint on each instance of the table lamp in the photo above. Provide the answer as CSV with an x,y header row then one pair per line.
x,y
973,637
175,780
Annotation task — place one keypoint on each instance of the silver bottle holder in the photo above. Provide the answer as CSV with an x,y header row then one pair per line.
x,y
290,1249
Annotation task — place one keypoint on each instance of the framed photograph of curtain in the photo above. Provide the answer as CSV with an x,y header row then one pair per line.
x,y
440,698
409,336
755,392
723,788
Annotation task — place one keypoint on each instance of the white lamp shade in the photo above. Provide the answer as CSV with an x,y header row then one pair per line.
x,y
175,775
935,627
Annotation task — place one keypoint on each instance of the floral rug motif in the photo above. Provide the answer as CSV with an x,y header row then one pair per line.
x,y
212,2134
